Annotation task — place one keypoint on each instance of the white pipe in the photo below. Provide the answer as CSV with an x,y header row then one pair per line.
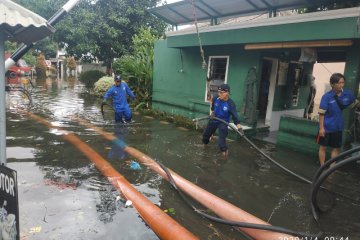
x,y
8,63
70,4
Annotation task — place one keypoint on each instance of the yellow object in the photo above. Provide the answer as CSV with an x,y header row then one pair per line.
x,y
35,229
25,81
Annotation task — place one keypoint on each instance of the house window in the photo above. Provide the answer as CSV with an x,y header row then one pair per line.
x,y
217,74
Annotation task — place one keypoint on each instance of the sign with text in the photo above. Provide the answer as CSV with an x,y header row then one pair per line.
x,y
9,207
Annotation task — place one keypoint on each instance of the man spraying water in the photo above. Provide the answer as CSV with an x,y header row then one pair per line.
x,y
222,107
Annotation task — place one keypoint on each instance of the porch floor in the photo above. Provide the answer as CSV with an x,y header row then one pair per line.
x,y
267,136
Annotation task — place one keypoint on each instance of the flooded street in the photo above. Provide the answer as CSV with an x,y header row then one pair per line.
x,y
62,195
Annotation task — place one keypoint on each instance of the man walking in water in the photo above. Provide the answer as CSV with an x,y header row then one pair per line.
x,y
118,93
222,107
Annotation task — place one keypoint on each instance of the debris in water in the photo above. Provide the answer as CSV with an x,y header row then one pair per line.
x,y
128,203
134,165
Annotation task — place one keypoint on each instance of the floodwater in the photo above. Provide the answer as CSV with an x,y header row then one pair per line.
x,y
63,196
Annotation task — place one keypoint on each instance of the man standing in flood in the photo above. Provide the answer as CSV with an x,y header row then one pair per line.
x,y
331,121
118,92
222,107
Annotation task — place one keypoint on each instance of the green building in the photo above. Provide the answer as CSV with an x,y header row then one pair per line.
x,y
268,63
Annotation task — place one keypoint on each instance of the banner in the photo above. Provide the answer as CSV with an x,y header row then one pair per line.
x,y
9,207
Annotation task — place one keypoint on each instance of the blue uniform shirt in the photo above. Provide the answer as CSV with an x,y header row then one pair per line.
x,y
224,110
118,94
333,118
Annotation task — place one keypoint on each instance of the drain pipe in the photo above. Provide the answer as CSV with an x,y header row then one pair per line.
x,y
217,205
163,226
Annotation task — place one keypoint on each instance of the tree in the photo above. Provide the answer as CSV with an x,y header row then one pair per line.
x,y
100,30
45,8
28,57
138,66
107,28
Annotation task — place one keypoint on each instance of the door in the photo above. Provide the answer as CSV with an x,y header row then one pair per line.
x,y
267,91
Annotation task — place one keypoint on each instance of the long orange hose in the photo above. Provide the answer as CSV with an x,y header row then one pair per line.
x,y
164,226
217,205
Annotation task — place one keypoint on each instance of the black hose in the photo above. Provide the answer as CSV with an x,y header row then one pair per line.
x,y
230,222
259,150
106,104
316,185
278,164
314,206
331,160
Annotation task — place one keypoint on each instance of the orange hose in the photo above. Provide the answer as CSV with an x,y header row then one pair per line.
x,y
164,226
217,205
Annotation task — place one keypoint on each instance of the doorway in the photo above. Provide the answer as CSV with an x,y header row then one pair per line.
x,y
267,91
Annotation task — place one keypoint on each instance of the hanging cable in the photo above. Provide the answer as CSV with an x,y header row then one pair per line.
x,y
203,65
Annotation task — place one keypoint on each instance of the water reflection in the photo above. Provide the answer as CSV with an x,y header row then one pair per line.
x,y
20,152
116,152
60,178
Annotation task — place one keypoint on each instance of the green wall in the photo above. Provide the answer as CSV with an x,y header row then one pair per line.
x,y
298,134
352,74
180,82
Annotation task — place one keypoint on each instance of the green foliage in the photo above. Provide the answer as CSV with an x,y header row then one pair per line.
x,y
45,8
102,85
30,59
40,66
47,47
100,30
11,47
329,5
179,120
138,67
90,77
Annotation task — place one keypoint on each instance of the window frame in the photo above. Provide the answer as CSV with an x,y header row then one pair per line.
x,y
207,84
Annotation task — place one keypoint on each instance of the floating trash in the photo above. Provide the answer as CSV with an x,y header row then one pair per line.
x,y
128,203
135,165
170,210
35,229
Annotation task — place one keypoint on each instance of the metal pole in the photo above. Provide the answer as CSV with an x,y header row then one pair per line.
x,y
2,101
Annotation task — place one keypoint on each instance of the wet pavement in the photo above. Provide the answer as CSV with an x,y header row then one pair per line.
x,y
63,196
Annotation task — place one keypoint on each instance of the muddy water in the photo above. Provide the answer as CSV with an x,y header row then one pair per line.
x,y
63,196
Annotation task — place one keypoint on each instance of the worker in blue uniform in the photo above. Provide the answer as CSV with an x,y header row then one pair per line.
x,y
118,92
331,121
222,107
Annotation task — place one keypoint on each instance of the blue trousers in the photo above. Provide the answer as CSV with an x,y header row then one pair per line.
x,y
210,130
124,114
